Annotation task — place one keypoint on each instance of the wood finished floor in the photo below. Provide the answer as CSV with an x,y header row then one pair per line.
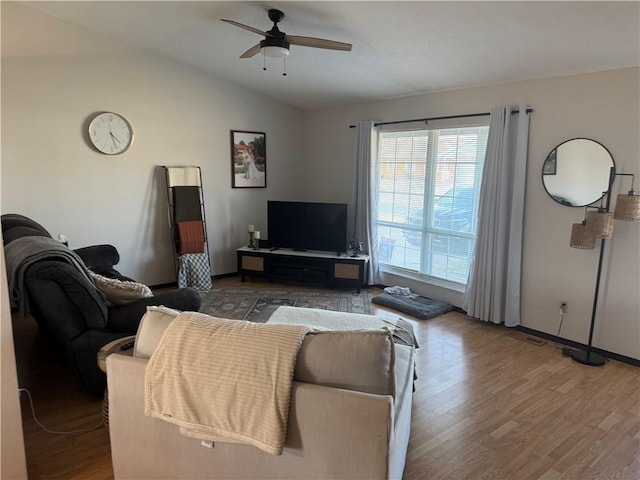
x,y
488,405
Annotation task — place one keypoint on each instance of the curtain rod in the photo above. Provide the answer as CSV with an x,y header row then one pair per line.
x,y
448,117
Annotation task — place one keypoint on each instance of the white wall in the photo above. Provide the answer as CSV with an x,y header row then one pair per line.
x,y
602,106
180,116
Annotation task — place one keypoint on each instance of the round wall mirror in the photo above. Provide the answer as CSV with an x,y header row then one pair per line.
x,y
577,172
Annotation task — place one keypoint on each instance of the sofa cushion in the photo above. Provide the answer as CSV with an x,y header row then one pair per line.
x,y
361,360
65,297
120,292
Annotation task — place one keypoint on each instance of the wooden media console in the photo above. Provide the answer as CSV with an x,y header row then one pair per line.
x,y
338,271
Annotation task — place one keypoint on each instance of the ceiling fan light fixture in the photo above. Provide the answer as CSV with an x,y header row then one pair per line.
x,y
276,43
275,51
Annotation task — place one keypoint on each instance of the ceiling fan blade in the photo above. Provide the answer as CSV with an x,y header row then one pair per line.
x,y
247,27
318,43
251,52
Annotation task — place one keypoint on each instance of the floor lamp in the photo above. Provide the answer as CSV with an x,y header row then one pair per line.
x,y
598,224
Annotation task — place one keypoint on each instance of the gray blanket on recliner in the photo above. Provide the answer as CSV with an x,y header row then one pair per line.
x,y
23,252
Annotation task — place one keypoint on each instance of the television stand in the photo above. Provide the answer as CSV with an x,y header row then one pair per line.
x,y
311,266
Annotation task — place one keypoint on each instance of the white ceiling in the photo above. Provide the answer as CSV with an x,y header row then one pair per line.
x,y
400,48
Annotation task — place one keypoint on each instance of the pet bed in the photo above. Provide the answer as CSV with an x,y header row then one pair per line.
x,y
420,307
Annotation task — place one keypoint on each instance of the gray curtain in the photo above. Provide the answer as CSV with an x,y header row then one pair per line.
x,y
493,288
363,189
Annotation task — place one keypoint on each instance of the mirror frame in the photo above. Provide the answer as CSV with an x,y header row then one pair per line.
x,y
546,166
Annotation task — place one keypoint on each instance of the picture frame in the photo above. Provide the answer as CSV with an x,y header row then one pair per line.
x,y
248,159
549,166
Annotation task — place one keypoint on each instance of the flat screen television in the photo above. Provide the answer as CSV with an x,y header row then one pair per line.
x,y
307,226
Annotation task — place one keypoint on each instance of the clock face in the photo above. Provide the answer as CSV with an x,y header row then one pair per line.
x,y
110,133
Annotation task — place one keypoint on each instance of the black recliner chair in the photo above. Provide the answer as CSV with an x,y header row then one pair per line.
x,y
68,308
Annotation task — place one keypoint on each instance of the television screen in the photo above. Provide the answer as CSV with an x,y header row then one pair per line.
x,y
307,226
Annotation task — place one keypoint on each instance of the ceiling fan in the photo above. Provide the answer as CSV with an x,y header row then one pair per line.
x,y
276,43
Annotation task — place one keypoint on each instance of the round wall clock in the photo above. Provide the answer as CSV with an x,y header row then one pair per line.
x,y
110,133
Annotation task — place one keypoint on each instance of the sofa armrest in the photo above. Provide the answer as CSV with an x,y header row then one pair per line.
x,y
126,318
99,258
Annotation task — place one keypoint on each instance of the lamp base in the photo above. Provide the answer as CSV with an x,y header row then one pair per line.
x,y
588,358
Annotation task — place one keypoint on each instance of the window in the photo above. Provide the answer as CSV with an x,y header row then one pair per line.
x,y
428,184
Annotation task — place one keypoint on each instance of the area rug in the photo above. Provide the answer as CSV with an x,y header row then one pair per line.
x,y
420,307
256,305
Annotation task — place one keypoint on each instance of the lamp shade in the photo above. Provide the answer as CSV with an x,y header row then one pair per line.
x,y
275,51
628,207
580,238
600,224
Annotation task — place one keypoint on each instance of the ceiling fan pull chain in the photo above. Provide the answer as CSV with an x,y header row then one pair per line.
x,y
264,60
284,67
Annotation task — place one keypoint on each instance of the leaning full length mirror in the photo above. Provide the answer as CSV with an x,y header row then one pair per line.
x,y
577,172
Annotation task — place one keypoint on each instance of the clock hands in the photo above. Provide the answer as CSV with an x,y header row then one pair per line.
x,y
114,139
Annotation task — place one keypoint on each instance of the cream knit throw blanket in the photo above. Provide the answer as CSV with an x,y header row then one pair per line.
x,y
225,380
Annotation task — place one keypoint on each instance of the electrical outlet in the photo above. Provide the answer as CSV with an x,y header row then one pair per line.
x,y
563,308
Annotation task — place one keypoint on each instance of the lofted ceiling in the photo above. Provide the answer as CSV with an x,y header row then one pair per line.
x,y
400,48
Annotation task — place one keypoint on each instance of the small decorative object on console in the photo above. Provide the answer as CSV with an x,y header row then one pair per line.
x,y
254,237
355,248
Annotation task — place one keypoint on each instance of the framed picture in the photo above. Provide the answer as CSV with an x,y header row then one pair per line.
x,y
549,166
248,159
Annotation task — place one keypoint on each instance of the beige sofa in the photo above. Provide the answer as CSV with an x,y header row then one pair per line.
x,y
349,417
